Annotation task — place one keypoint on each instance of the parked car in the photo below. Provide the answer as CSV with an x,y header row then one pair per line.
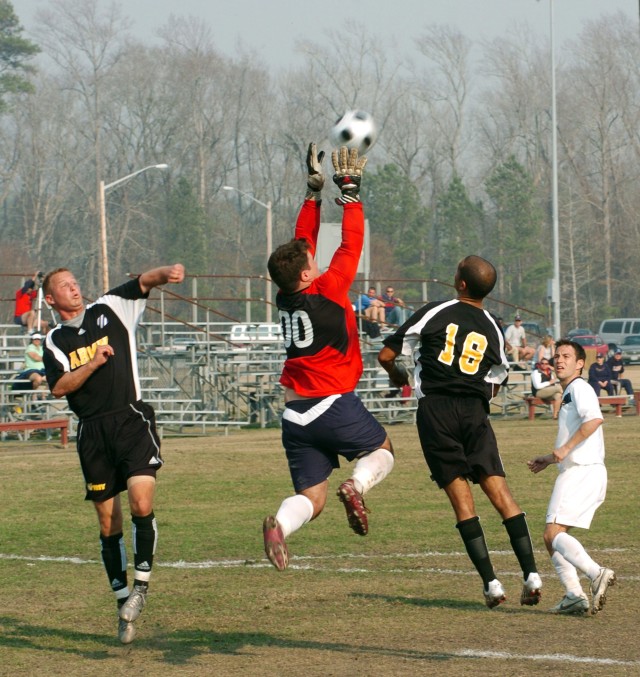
x,y
579,331
245,335
592,341
617,329
631,349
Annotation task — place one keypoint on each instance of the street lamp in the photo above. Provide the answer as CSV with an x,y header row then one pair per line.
x,y
555,298
267,206
102,189
554,290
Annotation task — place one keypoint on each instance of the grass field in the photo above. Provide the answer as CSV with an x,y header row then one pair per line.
x,y
402,601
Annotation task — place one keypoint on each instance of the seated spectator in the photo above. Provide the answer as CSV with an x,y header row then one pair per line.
x,y
546,350
375,311
616,366
33,372
24,314
600,376
516,342
393,307
545,385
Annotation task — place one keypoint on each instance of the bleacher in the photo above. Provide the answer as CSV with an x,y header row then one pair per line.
x,y
209,384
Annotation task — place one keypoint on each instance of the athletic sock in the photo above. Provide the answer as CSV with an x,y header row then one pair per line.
x,y
520,538
145,539
474,541
567,574
114,558
573,551
294,512
372,469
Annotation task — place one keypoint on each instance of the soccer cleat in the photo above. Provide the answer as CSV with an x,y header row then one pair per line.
x,y
126,631
531,592
599,587
571,605
354,505
131,609
494,594
274,543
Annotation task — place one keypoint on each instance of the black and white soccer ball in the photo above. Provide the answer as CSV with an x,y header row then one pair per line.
x,y
355,129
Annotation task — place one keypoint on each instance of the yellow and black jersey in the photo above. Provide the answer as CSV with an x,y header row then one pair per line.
x,y
112,319
458,349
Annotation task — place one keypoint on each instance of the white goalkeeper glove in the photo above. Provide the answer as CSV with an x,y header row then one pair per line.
x,y
348,167
315,176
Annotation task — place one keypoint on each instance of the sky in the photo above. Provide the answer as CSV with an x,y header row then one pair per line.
x,y
270,28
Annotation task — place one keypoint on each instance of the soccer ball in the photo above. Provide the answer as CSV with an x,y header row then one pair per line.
x,y
355,129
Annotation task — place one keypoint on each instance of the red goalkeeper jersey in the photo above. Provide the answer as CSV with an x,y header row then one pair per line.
x,y
319,323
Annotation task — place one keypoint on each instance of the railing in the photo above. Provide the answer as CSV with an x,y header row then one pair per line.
x,y
205,382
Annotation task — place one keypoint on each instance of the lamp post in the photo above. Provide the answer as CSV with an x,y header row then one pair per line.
x,y
102,189
554,291
267,206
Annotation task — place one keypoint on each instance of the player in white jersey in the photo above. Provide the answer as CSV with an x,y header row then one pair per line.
x,y
581,484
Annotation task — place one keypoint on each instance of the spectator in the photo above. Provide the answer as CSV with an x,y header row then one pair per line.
x,y
393,307
24,314
545,385
376,309
600,376
546,349
616,367
34,365
516,339
500,323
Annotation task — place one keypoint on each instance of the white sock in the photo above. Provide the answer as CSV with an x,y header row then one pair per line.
x,y
573,551
293,513
567,574
372,469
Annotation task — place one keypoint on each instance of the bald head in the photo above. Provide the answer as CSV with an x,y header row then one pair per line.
x,y
479,277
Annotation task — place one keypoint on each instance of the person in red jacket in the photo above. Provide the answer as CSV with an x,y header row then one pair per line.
x,y
323,418
24,315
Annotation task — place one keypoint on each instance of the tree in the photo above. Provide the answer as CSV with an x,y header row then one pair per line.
x,y
518,253
399,224
456,230
15,51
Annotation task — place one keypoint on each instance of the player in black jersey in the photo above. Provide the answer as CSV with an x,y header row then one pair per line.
x,y
460,364
90,358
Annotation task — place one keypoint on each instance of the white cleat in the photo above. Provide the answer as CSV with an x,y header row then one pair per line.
x,y
494,594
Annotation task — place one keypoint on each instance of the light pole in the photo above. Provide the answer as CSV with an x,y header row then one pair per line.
x,y
102,189
554,292
267,206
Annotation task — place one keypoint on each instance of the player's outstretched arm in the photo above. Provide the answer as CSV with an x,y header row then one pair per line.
x,y
348,173
173,274
315,175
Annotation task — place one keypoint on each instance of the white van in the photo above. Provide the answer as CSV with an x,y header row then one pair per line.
x,y
617,329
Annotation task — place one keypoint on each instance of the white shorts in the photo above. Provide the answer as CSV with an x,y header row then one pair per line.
x,y
578,492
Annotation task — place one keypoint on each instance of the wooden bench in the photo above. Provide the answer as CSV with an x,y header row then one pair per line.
x,y
616,401
35,424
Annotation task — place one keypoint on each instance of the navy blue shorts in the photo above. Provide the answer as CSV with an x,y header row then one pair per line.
x,y
315,432
116,446
457,439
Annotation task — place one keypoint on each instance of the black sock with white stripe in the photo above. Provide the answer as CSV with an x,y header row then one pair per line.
x,y
114,557
145,538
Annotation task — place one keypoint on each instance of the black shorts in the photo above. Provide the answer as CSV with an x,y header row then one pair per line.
x,y
316,431
116,446
457,439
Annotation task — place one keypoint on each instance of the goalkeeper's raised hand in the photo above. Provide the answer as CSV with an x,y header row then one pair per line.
x,y
348,167
315,176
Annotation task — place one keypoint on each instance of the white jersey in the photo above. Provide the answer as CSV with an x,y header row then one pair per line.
x,y
579,405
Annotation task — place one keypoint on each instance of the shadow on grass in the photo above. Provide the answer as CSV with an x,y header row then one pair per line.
x,y
182,646
443,603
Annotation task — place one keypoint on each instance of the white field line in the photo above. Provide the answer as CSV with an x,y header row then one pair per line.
x,y
314,563
556,657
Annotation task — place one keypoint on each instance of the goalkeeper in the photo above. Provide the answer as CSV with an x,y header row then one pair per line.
x,y
323,419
